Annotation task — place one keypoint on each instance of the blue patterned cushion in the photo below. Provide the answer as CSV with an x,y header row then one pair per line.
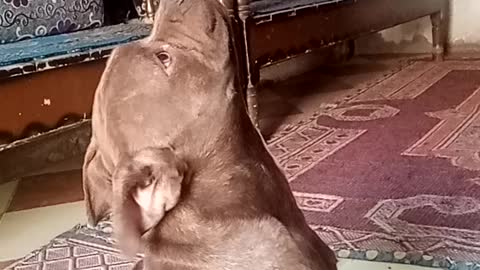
x,y
69,46
22,19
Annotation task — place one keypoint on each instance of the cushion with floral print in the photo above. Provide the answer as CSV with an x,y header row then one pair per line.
x,y
23,19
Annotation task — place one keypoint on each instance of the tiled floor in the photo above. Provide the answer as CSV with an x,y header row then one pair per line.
x,y
37,208
26,230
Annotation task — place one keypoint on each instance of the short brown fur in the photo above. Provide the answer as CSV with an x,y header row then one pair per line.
x,y
178,88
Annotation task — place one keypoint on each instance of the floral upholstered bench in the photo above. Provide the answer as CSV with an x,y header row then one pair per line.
x,y
49,49
273,30
47,52
39,35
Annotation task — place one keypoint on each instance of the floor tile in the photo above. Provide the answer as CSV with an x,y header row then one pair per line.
x,y
48,189
7,192
24,231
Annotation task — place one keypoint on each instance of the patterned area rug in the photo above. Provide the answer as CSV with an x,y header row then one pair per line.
x,y
390,173
393,173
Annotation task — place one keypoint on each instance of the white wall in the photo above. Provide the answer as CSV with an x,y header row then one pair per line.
x,y
416,36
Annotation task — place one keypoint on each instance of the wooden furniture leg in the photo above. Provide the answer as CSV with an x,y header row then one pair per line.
x,y
437,37
252,72
150,10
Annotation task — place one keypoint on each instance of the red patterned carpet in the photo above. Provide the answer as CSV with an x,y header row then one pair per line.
x,y
395,169
389,171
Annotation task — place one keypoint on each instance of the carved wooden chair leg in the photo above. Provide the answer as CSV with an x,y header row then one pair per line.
x,y
150,10
251,73
437,36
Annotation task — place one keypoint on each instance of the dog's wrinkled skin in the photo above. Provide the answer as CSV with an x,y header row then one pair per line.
x,y
177,88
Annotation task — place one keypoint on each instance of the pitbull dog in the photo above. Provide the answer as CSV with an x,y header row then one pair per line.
x,y
177,159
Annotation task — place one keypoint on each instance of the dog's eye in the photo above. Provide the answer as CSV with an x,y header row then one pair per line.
x,y
164,58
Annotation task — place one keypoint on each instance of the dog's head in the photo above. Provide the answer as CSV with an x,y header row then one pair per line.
x,y
192,27
156,87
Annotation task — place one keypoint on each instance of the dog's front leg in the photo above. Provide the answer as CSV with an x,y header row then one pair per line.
x,y
97,186
146,185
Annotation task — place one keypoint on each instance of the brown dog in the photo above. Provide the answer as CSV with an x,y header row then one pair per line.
x,y
168,107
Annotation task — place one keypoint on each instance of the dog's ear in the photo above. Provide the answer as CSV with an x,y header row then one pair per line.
x,y
96,186
145,187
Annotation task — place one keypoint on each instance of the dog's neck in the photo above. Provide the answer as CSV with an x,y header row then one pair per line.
x,y
219,135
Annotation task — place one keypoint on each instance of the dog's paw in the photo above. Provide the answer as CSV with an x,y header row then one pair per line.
x,y
145,186
159,193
